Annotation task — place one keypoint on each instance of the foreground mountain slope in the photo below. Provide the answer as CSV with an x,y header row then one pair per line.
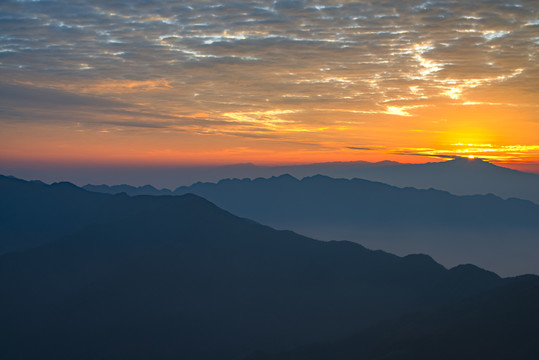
x,y
180,278
34,213
497,324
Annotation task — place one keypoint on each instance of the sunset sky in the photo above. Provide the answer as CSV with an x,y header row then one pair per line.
x,y
269,82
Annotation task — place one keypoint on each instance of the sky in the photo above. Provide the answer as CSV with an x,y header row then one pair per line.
x,y
167,83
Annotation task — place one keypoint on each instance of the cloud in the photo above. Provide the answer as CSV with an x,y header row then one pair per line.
x,y
503,153
149,61
22,96
362,148
148,38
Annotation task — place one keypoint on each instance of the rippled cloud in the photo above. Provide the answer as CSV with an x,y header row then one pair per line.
x,y
323,72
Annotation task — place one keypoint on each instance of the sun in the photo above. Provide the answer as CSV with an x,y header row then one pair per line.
x,y
471,157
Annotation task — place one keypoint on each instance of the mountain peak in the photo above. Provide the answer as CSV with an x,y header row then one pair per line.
x,y
285,177
469,161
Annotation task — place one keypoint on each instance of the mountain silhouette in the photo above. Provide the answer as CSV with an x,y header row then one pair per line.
x,y
497,325
496,234
460,176
33,213
177,277
362,201
128,189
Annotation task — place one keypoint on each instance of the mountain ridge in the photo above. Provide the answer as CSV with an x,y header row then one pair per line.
x,y
482,229
460,176
178,276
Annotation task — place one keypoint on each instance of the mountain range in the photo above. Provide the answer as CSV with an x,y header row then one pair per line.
x,y
460,176
495,233
169,277
173,176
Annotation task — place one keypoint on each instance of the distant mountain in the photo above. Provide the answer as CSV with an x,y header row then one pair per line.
x,y
173,176
128,189
241,171
501,235
176,277
345,169
364,202
497,325
502,242
459,176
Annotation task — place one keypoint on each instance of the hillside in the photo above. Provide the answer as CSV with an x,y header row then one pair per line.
x,y
175,276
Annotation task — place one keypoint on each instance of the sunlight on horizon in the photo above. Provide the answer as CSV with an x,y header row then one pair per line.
x,y
270,84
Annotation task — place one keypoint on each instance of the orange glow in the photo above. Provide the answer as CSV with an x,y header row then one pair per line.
x,y
266,92
276,137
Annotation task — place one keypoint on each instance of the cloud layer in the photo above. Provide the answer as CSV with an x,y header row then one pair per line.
x,y
344,75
